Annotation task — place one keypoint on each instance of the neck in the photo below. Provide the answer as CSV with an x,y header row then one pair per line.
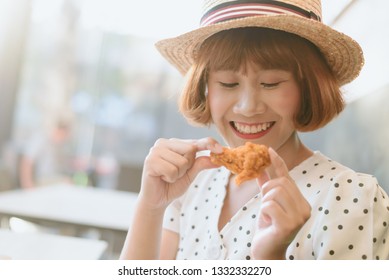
x,y
293,151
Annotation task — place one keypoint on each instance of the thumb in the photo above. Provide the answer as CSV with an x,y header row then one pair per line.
x,y
201,163
263,178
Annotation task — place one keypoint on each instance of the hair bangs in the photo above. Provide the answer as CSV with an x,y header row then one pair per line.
x,y
237,48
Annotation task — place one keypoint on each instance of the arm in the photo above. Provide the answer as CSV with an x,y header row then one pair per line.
x,y
168,171
144,237
169,245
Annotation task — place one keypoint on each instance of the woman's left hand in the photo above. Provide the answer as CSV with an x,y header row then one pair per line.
x,y
283,212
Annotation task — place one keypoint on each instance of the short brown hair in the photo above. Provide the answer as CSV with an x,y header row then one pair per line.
x,y
321,98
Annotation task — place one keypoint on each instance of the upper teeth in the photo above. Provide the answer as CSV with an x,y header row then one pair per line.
x,y
247,129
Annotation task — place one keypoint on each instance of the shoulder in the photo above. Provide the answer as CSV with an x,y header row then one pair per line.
x,y
324,180
356,185
352,183
321,169
348,208
346,189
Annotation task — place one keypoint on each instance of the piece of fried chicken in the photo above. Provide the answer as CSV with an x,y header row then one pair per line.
x,y
247,161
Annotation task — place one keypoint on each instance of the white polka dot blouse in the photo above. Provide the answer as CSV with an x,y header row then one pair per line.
x,y
349,219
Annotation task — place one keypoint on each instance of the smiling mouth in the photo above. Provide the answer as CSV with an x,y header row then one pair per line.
x,y
247,129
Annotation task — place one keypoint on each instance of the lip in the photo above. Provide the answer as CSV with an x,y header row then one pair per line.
x,y
251,135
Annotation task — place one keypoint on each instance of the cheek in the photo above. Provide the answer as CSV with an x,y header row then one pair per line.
x,y
288,103
217,105
289,108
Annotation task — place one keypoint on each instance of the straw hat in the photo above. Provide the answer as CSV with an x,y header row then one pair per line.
x,y
300,17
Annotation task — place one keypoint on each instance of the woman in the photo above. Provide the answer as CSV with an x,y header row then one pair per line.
x,y
260,71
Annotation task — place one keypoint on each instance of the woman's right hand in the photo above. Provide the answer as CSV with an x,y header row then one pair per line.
x,y
170,168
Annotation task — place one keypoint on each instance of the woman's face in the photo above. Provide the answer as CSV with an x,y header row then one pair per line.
x,y
255,105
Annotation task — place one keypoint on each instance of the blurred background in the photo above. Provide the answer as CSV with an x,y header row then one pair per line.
x,y
84,94
89,70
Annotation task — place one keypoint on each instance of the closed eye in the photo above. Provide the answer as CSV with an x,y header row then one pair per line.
x,y
228,85
270,86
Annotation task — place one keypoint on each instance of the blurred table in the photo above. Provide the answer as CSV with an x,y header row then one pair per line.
x,y
67,206
41,246
71,205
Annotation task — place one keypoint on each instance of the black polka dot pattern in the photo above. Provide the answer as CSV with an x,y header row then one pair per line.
x,y
345,213
347,210
197,225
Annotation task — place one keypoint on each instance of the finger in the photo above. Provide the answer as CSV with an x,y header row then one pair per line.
x,y
288,196
272,213
200,164
177,145
167,164
263,178
167,171
279,167
187,148
286,184
183,146
208,143
282,223
283,197
273,183
181,162
279,195
174,158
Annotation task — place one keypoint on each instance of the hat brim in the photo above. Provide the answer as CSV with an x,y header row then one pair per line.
x,y
343,54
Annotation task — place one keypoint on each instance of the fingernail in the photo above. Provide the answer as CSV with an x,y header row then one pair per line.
x,y
272,152
218,148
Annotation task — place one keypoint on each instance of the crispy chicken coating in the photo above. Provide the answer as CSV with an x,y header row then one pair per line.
x,y
247,161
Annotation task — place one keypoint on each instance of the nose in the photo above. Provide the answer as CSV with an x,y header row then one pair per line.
x,y
250,103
